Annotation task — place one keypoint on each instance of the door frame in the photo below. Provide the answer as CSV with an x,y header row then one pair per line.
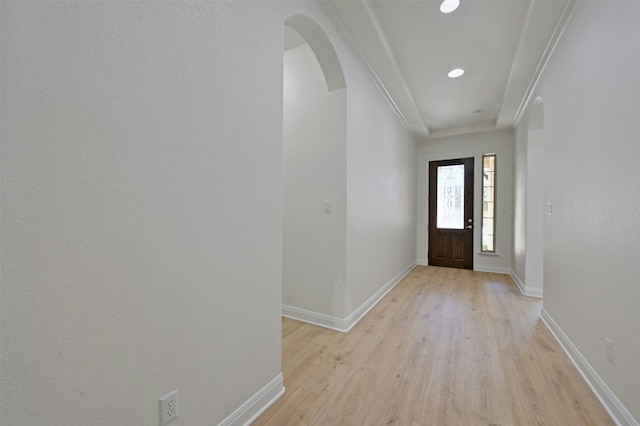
x,y
467,233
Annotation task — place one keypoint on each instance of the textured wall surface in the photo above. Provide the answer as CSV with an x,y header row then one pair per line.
x,y
141,209
520,169
142,206
314,146
591,94
372,178
381,194
529,207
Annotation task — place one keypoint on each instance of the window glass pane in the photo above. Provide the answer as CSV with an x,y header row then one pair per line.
x,y
487,178
488,202
487,194
487,226
489,163
487,243
450,197
487,210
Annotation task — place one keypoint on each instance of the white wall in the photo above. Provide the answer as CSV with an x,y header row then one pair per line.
x,y
380,204
381,193
518,257
141,209
591,94
535,206
314,170
473,145
529,208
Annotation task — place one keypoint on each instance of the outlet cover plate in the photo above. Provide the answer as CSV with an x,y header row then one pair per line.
x,y
608,344
169,408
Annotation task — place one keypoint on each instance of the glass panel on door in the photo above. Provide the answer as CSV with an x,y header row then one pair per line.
x,y
450,197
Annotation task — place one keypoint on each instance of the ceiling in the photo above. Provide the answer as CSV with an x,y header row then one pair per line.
x,y
409,46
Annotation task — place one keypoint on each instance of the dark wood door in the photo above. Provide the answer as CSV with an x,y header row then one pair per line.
x,y
451,213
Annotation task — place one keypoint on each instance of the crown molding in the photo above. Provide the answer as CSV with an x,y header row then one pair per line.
x,y
558,31
349,42
375,20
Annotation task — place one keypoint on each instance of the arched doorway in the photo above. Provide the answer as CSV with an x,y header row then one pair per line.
x,y
314,175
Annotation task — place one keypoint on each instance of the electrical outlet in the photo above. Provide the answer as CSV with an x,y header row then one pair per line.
x,y
608,344
169,408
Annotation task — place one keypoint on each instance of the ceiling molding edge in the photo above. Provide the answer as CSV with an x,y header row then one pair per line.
x,y
351,45
564,20
467,130
375,20
512,71
466,135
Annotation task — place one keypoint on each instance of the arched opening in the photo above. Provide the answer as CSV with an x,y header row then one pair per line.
x,y
314,175
314,36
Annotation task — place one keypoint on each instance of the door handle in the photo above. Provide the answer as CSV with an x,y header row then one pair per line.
x,y
469,226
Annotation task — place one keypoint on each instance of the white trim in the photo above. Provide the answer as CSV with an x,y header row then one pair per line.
x,y
526,291
493,269
359,313
344,324
375,20
566,16
525,28
315,318
518,282
620,415
489,253
248,412
533,292
444,137
352,46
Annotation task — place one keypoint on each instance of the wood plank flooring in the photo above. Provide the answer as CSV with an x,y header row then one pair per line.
x,y
444,347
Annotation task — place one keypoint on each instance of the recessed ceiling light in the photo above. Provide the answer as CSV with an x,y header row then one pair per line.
x,y
455,73
448,6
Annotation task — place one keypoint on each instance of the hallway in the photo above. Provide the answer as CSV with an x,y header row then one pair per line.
x,y
444,347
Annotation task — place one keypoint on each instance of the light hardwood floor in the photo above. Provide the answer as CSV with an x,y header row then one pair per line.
x,y
444,347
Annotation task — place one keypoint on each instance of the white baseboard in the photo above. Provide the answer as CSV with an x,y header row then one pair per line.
x,y
492,269
620,415
533,292
373,300
518,282
315,318
526,291
257,404
344,324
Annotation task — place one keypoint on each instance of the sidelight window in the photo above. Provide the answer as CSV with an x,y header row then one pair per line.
x,y
488,203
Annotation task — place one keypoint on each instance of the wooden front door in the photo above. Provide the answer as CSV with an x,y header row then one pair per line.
x,y
451,213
